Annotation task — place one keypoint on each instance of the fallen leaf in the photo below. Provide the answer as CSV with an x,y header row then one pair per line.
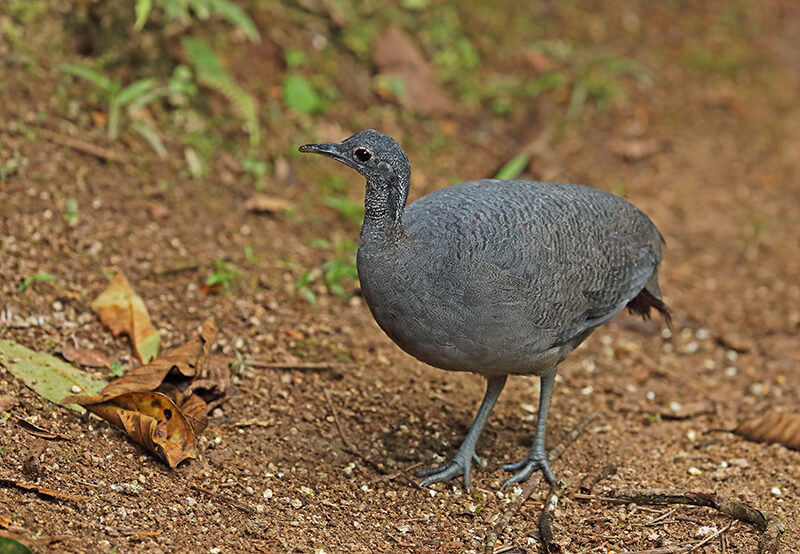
x,y
48,376
261,203
400,61
153,421
37,431
7,402
9,543
186,361
783,428
5,521
86,357
123,311
635,149
157,404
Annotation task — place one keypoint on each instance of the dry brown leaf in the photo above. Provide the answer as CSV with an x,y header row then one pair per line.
x,y
123,311
86,357
397,57
261,203
185,361
7,402
153,421
5,521
156,404
783,428
40,432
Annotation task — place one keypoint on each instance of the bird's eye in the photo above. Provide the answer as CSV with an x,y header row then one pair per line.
x,y
362,154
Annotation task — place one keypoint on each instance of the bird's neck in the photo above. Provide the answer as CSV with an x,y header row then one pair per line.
x,y
384,203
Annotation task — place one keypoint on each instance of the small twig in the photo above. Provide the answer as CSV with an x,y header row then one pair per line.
x,y
772,528
587,483
662,517
711,537
547,516
665,550
532,483
299,366
227,500
349,446
83,146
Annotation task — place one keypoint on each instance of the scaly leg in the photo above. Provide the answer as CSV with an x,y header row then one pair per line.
x,y
462,461
537,457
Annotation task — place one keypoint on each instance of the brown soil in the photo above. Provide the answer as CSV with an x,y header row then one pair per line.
x,y
273,474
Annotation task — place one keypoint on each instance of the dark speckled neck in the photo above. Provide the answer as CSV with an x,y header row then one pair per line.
x,y
384,202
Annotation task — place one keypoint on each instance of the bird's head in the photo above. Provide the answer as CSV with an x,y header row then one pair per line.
x,y
374,155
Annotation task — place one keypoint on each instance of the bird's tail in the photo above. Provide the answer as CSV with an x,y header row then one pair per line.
x,y
650,297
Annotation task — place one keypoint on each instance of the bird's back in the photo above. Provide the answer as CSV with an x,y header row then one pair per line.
x,y
508,276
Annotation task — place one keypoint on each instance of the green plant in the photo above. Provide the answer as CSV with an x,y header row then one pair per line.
x,y
116,369
71,212
211,73
350,211
513,167
301,96
588,77
112,92
225,276
335,273
203,9
35,278
249,255
258,169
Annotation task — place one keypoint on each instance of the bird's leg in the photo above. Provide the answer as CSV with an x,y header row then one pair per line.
x,y
462,461
537,457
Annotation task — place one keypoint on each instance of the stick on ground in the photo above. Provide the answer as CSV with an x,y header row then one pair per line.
x,y
772,528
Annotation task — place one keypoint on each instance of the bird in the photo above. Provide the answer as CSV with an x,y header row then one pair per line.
x,y
495,277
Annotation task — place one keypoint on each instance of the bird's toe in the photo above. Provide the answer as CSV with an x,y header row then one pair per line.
x,y
525,468
447,472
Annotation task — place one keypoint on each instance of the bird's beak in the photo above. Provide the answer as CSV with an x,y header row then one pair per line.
x,y
325,148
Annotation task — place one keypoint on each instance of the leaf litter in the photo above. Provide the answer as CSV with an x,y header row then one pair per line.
x,y
773,427
50,377
163,405
124,312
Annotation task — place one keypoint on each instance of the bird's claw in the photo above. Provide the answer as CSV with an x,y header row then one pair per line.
x,y
525,468
460,465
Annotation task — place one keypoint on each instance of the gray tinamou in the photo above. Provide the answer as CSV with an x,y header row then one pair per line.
x,y
495,277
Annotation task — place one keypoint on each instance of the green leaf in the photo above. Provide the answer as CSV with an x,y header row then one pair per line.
x,y
151,137
142,10
116,369
51,378
237,17
95,77
309,295
35,278
513,167
299,95
134,91
294,58
11,546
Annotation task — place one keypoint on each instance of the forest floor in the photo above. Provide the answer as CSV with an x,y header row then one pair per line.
x,y
707,145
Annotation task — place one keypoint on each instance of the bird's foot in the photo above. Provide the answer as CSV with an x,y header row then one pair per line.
x,y
526,467
461,464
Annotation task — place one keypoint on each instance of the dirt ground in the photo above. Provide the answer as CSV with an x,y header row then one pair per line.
x,y
710,150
